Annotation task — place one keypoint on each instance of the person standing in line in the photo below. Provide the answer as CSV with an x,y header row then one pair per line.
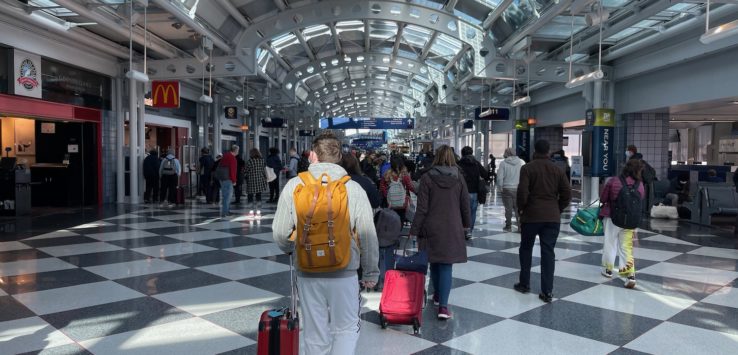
x,y
543,194
474,172
397,175
240,168
255,182
442,215
214,182
330,303
151,175
648,174
273,161
169,170
205,166
293,164
619,241
351,165
227,175
508,177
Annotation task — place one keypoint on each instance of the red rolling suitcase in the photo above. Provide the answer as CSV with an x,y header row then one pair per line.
x,y
279,329
403,299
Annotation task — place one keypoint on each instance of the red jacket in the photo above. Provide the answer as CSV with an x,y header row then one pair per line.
x,y
230,161
609,194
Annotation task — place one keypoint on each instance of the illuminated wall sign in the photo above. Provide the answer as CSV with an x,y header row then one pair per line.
x,y
27,74
165,94
495,114
602,125
366,123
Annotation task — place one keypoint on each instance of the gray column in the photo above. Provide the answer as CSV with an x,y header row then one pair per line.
x,y
217,129
133,140
141,137
120,141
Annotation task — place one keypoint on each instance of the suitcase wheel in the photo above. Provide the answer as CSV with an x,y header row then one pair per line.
x,y
416,326
382,321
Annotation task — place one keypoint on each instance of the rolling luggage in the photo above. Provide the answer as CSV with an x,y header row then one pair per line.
x,y
403,299
180,198
279,329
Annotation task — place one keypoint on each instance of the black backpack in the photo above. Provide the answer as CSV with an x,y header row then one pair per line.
x,y
649,173
627,210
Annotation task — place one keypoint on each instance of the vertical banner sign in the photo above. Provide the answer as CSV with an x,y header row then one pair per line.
x,y
27,74
165,94
522,139
603,141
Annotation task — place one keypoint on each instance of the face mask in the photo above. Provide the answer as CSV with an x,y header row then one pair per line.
x,y
628,154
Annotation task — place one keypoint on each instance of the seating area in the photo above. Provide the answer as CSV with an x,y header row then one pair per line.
x,y
710,199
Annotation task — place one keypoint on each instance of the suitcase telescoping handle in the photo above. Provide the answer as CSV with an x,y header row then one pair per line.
x,y
293,287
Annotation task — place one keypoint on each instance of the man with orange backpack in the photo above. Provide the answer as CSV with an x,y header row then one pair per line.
x,y
327,220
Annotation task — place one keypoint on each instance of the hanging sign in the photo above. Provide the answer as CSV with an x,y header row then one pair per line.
x,y
522,139
165,94
602,126
26,74
230,112
306,133
492,113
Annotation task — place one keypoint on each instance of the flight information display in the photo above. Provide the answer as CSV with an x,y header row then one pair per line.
x,y
366,123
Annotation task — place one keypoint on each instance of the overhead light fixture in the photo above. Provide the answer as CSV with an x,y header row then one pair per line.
x,y
132,74
206,99
136,75
586,78
719,32
593,19
520,101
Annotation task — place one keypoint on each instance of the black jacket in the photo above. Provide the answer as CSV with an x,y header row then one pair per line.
x,y
473,171
370,188
151,166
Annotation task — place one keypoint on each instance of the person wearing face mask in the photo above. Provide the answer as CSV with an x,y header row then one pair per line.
x,y
678,192
648,175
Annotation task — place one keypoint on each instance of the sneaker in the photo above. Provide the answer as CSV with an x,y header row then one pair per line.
x,y
507,228
435,300
250,215
545,297
443,313
162,205
630,282
520,288
607,273
468,235
258,214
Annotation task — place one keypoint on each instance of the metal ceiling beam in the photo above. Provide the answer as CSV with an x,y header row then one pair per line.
x,y
280,5
278,58
185,18
398,39
450,5
456,58
371,84
191,68
426,49
367,40
328,11
235,13
495,14
305,45
534,26
550,71
336,40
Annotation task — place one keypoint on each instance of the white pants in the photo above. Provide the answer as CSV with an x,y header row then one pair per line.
x,y
329,315
618,243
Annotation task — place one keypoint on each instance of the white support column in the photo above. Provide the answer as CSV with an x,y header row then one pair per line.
x,y
485,148
133,140
217,129
120,140
141,152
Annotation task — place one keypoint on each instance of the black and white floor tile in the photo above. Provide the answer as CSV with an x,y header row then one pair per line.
x,y
182,281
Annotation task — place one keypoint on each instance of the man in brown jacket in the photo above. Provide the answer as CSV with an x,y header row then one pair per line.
x,y
543,194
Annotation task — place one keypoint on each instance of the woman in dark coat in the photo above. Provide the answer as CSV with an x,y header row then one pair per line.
x,y
273,161
351,164
442,214
255,179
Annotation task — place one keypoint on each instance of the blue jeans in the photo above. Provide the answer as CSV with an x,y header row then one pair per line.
x,y
474,203
386,261
226,190
440,275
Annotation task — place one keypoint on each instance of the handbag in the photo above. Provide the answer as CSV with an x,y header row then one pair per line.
x,y
270,175
665,212
417,262
412,206
587,221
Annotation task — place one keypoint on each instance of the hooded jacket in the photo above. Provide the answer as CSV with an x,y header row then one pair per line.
x,y
443,211
508,173
361,214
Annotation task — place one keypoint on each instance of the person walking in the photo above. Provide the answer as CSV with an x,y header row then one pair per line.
x,y
151,175
227,174
508,177
205,168
648,174
396,186
543,194
273,161
442,215
619,241
351,165
169,170
329,301
294,162
255,182
474,174
492,168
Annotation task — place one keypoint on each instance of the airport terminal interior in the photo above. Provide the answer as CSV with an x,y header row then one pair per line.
x,y
118,116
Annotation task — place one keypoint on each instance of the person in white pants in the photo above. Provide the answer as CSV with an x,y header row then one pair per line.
x,y
330,302
618,241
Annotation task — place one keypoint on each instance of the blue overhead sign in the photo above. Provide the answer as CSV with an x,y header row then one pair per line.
x,y
366,123
494,114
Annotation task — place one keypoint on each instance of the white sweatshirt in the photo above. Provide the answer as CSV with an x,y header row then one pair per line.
x,y
508,173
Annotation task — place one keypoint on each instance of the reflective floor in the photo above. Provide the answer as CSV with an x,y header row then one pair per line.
x,y
180,281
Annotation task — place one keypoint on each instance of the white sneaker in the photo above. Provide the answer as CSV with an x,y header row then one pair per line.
x,y
258,214
250,215
163,204
630,282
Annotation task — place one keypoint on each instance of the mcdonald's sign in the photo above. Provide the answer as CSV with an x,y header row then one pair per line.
x,y
165,94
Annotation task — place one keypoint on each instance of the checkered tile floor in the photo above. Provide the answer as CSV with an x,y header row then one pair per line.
x,y
182,281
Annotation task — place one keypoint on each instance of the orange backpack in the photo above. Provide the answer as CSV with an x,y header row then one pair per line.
x,y
323,232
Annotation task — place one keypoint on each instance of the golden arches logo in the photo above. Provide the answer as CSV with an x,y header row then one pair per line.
x,y
166,94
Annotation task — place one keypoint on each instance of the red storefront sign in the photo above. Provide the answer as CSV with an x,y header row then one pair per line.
x,y
165,94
